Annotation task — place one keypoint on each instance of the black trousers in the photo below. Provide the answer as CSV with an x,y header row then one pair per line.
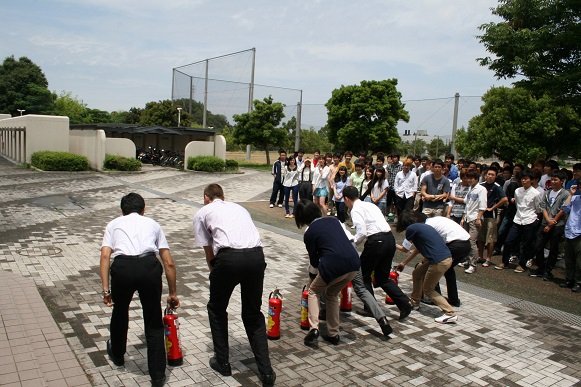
x,y
306,190
230,268
460,251
377,256
526,235
129,274
277,188
553,237
402,204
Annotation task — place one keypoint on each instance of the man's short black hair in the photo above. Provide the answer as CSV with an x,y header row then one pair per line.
x,y
577,167
530,174
301,150
380,158
559,175
132,202
439,162
408,217
306,212
450,156
281,151
552,163
350,193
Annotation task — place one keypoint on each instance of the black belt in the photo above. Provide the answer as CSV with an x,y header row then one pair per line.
x,y
378,235
144,255
233,250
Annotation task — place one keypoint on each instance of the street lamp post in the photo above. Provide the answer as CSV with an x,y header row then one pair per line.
x,y
179,116
21,111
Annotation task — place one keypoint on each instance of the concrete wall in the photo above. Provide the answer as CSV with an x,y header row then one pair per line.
x,y
41,133
220,146
120,146
89,143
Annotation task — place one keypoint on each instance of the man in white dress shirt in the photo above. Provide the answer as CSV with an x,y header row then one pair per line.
x,y
234,255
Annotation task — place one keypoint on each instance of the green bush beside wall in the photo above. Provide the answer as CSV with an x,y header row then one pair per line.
x,y
59,161
120,163
206,163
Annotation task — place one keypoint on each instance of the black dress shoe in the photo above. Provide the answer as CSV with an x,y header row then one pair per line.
x,y
117,361
405,311
364,313
223,368
567,284
385,327
332,339
576,288
548,276
158,382
311,336
268,380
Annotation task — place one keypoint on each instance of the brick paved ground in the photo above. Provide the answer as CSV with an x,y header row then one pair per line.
x,y
51,226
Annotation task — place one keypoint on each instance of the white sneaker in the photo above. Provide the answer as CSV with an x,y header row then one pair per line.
x,y
513,259
271,206
530,263
445,319
280,206
470,270
328,213
353,226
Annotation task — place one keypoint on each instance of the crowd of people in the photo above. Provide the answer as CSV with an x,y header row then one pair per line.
x,y
523,213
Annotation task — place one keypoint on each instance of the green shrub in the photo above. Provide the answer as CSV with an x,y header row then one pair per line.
x,y
206,163
231,165
120,163
59,161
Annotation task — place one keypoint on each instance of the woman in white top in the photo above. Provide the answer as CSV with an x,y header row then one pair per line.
x,y
306,180
290,183
321,184
379,190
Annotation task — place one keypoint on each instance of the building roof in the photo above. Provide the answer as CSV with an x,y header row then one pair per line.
x,y
136,129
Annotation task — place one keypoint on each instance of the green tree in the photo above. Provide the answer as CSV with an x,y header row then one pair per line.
x,y
70,106
312,140
163,113
260,127
365,116
23,86
415,147
538,42
436,148
216,121
96,116
132,116
516,125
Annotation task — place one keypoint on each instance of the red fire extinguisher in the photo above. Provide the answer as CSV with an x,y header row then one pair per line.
x,y
305,309
274,309
171,327
347,298
394,276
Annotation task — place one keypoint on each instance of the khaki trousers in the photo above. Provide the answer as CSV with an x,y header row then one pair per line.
x,y
425,277
331,291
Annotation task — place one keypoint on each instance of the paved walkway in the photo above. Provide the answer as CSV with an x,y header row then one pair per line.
x,y
51,226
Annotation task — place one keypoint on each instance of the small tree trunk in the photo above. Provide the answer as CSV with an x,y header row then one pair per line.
x,y
267,157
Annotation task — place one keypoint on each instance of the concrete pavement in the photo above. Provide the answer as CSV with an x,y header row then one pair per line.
x,y
50,233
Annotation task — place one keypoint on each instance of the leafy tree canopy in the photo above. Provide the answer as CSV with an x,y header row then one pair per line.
x,y
23,86
217,121
537,40
260,127
365,116
163,113
515,125
436,148
414,147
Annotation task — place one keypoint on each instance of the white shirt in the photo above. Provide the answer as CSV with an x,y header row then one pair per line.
x,y
320,176
134,234
449,230
405,185
368,220
290,178
476,200
223,224
528,205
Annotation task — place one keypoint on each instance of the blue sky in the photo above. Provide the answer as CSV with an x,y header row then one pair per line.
x,y
116,54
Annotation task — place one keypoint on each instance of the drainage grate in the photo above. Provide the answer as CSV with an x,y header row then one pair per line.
x,y
40,251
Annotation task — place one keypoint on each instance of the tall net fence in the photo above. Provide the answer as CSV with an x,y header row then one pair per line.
x,y
225,86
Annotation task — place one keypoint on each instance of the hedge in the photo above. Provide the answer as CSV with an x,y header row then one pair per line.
x,y
59,161
231,165
120,163
206,163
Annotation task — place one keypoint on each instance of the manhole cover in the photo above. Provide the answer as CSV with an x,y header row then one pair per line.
x,y
40,251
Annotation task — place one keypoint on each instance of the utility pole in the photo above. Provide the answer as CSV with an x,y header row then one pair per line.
x,y
298,128
454,124
251,96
